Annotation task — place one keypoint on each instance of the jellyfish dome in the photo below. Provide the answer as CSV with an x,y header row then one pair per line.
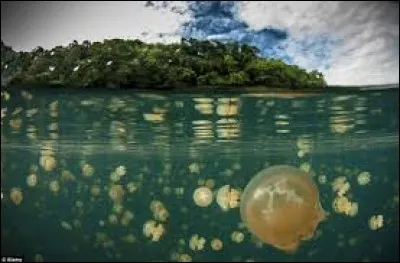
x,y
203,196
281,207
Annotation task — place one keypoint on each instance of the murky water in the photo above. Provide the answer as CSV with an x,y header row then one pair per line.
x,y
81,171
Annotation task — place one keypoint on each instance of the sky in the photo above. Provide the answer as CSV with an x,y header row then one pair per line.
x,y
351,43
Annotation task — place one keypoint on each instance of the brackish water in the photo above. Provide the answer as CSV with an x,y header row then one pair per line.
x,y
74,143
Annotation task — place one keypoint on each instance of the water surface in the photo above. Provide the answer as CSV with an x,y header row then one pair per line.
x,y
170,144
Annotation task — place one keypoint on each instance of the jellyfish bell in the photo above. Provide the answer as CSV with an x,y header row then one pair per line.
x,y
223,197
281,207
203,196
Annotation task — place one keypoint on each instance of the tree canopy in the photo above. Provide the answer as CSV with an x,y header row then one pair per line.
x,y
133,63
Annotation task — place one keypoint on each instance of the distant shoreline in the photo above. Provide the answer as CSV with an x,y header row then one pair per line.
x,y
123,64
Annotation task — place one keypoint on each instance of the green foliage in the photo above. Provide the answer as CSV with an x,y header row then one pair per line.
x,y
132,63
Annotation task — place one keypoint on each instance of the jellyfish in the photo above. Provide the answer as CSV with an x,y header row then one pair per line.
x,y
196,242
31,180
237,237
203,196
216,244
48,162
281,207
153,230
16,196
116,193
228,198
54,186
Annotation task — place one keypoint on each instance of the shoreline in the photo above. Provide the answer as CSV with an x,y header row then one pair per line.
x,y
256,91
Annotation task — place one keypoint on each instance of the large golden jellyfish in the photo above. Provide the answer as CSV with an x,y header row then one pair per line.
x,y
281,207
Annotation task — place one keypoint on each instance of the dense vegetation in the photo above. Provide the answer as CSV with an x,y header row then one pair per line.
x,y
132,63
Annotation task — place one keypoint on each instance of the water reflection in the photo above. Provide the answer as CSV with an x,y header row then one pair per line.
x,y
208,120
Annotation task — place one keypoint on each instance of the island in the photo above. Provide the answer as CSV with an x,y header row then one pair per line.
x,y
120,63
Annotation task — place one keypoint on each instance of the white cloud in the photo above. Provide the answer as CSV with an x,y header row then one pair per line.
x,y
367,34
58,23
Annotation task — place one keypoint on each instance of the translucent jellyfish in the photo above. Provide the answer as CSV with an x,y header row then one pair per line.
x,y
16,196
132,187
87,170
95,190
31,180
375,222
66,225
113,219
342,205
67,176
281,207
153,230
116,193
127,216
130,238
228,197
216,244
196,242
185,258
54,186
237,237
38,258
48,162
364,178
203,196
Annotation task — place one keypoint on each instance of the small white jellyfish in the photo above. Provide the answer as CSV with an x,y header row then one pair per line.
x,y
160,213
322,179
197,243
343,206
120,170
114,177
87,170
48,162
127,216
340,185
305,167
364,178
31,180
184,258
113,219
132,187
153,230
237,237
203,196
54,186
66,225
216,244
375,222
16,196
194,168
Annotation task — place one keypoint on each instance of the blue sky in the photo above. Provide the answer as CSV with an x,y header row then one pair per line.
x,y
352,43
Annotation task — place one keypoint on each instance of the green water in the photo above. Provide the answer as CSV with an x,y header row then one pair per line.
x,y
188,139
